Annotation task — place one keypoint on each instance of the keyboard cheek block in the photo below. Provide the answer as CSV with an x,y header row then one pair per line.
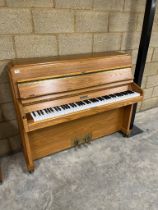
x,y
67,102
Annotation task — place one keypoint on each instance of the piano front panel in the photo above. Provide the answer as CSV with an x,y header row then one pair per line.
x,y
65,84
70,94
62,136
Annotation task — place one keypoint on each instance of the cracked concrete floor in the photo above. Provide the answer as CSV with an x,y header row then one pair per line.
x,y
113,173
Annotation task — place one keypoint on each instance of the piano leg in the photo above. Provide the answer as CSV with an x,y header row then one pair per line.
x,y
1,179
27,152
127,120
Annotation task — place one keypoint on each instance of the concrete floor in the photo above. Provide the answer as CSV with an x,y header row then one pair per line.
x,y
113,173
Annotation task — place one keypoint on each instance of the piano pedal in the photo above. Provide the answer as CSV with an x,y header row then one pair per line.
x,y
76,143
88,138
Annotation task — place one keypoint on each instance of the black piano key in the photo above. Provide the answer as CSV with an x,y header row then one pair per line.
x,y
82,103
42,112
67,106
72,105
130,91
122,94
118,94
100,98
51,109
87,102
126,93
46,111
39,113
113,95
92,100
34,114
106,97
63,107
56,109
78,103
59,108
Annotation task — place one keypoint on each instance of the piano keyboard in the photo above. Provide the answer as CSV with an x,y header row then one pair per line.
x,y
81,105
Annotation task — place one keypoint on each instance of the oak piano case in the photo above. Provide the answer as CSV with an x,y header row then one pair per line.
x,y
64,102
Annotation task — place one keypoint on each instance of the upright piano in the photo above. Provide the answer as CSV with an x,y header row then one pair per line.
x,y
68,101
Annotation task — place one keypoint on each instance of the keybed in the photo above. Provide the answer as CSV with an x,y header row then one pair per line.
x,y
77,106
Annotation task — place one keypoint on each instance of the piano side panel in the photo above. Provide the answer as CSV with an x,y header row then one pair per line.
x,y
56,138
21,124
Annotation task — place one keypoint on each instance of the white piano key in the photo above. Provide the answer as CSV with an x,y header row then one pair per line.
x,y
34,118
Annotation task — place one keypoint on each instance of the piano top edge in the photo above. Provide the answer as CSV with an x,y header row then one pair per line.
x,y
22,62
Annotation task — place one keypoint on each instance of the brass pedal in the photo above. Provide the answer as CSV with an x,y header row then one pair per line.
x,y
88,138
77,143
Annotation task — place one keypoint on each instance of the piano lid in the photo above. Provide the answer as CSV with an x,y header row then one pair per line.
x,y
38,69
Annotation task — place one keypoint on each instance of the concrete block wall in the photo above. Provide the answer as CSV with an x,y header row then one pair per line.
x,y
59,27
